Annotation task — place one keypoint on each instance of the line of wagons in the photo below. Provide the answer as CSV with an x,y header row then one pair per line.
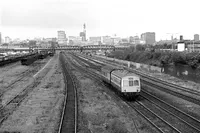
x,y
41,55
123,81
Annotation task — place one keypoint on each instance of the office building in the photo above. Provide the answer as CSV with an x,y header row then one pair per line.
x,y
7,39
83,36
107,40
62,37
148,37
83,33
196,37
116,40
0,39
74,40
96,40
134,40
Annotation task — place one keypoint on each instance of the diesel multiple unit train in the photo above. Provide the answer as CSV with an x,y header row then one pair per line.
x,y
123,81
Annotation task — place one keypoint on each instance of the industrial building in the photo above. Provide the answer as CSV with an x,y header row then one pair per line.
x,y
83,34
7,39
148,37
74,40
0,39
134,39
107,40
96,40
196,37
62,37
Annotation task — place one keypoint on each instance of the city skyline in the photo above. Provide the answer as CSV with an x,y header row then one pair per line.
x,y
42,18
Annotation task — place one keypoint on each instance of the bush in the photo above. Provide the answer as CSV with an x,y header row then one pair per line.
x,y
193,63
178,57
140,47
165,59
158,57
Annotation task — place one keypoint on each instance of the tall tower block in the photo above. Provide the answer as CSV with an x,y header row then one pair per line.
x,y
84,30
83,33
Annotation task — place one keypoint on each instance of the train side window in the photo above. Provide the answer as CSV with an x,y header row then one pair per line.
x,y
136,82
130,81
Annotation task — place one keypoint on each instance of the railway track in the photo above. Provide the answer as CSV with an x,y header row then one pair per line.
x,y
189,120
194,98
20,77
181,92
6,68
11,105
184,122
68,121
11,60
97,77
139,107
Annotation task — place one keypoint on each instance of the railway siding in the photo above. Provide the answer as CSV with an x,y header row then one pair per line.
x,y
161,76
41,110
185,105
102,111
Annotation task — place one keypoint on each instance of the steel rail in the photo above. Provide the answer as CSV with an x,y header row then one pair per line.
x,y
68,121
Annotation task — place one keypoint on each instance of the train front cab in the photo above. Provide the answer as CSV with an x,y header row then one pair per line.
x,y
130,86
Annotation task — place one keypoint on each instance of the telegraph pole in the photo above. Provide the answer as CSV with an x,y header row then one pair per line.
x,y
172,35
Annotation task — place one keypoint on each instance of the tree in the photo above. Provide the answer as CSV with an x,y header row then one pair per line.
x,y
140,47
32,43
5,44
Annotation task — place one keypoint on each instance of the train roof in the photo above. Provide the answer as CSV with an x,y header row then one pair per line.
x,y
119,72
123,73
109,68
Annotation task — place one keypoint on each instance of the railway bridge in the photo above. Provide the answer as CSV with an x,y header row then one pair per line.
x,y
72,48
86,47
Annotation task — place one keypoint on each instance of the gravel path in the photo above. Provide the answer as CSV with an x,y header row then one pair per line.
x,y
40,111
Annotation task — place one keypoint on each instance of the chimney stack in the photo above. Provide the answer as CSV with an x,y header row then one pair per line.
x,y
181,38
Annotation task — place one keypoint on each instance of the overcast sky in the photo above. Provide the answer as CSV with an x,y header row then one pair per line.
x,y
42,18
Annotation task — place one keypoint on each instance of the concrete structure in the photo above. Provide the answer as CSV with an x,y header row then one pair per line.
x,y
84,30
131,39
74,40
16,41
50,39
96,40
196,37
181,46
7,39
124,40
62,37
83,36
107,40
148,37
83,33
193,46
116,40
134,40
0,39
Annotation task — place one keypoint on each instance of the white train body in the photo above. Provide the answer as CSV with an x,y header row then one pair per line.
x,y
124,81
